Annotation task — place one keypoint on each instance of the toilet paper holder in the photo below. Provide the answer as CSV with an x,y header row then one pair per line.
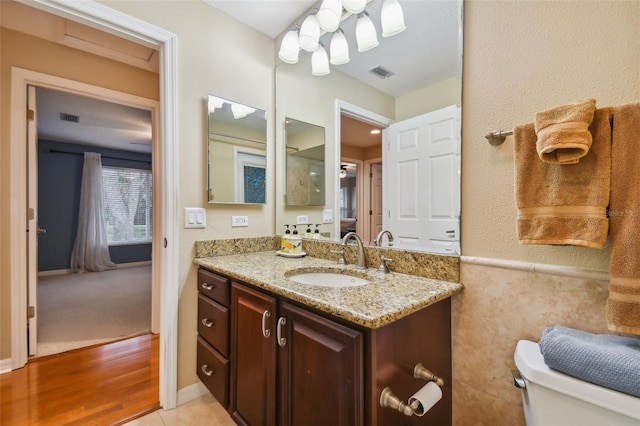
x,y
389,399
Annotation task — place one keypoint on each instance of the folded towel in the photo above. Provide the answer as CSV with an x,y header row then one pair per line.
x,y
563,204
623,304
603,359
563,135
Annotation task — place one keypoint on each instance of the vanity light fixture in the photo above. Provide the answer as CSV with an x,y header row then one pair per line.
x,y
375,131
320,61
339,48
392,18
327,19
366,36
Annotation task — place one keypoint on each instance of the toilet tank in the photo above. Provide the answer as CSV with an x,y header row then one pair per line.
x,y
553,398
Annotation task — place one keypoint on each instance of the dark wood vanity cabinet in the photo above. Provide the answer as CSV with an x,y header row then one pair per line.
x,y
287,364
213,334
292,366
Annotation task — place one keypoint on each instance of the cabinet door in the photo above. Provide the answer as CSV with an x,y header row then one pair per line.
x,y
320,371
253,383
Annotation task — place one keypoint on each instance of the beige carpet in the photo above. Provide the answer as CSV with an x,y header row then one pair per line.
x,y
78,310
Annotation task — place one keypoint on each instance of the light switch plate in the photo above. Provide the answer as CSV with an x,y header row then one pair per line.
x,y
302,220
239,221
327,216
195,217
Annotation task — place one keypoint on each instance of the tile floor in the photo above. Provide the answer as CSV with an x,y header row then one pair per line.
x,y
204,410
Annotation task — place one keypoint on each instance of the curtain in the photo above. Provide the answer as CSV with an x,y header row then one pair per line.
x,y
91,250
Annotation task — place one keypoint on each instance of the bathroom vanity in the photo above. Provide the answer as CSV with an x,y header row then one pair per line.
x,y
274,351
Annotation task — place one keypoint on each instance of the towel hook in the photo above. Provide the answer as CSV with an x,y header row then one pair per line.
x,y
497,137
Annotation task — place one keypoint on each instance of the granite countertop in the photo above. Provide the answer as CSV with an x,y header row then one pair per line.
x,y
384,300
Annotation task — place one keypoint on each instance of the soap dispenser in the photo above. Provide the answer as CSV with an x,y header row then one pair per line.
x,y
285,245
308,233
296,242
316,233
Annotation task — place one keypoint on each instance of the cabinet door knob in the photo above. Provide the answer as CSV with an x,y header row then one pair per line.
x,y
265,331
206,370
207,286
207,322
281,340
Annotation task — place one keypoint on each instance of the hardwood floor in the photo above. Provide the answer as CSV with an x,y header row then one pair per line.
x,y
99,385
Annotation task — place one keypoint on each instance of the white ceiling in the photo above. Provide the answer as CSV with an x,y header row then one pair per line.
x,y
100,123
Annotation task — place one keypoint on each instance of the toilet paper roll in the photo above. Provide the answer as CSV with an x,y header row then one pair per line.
x,y
425,398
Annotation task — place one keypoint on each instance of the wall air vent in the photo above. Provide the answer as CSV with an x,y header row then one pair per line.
x,y
69,117
381,72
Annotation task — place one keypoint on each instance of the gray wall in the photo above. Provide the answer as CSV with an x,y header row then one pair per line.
x,y
59,178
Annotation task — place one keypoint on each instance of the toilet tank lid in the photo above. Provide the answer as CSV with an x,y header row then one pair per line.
x,y
530,363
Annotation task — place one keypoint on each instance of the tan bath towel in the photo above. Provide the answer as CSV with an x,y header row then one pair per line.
x,y
623,305
563,204
563,135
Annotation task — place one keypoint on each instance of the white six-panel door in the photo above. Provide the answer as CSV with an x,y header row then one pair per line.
x,y
421,160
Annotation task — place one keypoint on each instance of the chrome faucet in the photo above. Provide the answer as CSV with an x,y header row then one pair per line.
x,y
360,263
381,234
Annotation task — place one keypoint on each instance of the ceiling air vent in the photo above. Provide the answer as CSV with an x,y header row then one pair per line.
x,y
381,72
69,117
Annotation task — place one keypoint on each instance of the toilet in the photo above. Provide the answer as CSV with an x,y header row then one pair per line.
x,y
551,398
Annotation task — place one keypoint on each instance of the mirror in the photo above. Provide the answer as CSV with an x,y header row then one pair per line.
x,y
237,141
304,146
432,82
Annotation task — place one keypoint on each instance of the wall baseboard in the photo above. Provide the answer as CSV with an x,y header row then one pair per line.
x,y
6,366
191,392
69,271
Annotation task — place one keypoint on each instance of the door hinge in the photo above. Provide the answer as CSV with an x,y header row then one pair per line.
x,y
370,212
31,312
31,213
31,115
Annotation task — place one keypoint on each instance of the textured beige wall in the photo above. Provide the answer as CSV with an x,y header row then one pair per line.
x,y
521,57
220,56
35,54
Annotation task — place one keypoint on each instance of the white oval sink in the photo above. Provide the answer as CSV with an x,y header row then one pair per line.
x,y
327,279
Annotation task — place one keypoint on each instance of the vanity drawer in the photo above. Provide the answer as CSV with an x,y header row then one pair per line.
x,y
213,371
214,286
213,323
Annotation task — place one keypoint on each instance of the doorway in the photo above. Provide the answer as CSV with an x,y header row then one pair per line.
x,y
74,310
165,271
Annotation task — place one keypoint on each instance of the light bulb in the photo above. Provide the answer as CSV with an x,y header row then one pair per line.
x,y
320,62
365,33
329,15
339,48
354,6
309,34
392,18
289,48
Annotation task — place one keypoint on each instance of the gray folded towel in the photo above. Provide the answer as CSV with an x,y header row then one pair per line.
x,y
603,359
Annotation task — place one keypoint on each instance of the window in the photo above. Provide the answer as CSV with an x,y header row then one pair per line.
x,y
127,205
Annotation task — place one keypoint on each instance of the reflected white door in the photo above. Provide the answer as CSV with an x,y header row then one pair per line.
x,y
32,223
421,160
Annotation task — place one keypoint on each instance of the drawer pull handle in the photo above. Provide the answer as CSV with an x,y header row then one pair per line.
x,y
208,286
205,369
265,331
207,323
281,340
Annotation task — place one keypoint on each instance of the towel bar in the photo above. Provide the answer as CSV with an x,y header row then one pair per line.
x,y
497,137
